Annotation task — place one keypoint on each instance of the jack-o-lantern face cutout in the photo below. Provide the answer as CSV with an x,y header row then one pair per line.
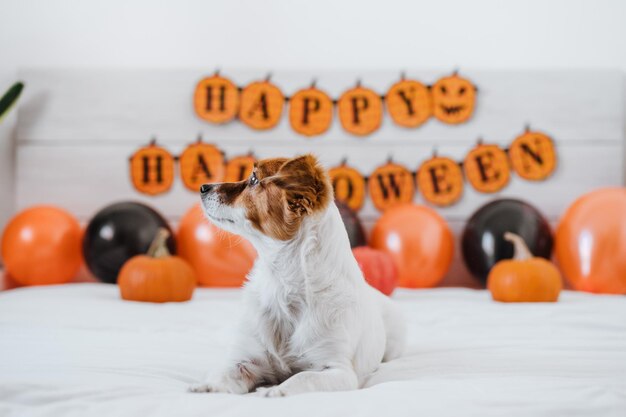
x,y
239,168
360,111
533,156
201,163
454,99
349,186
152,169
216,99
261,105
440,180
310,111
389,185
409,103
487,168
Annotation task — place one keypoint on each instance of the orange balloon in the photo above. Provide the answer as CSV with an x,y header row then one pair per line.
x,y
219,258
41,246
420,242
590,243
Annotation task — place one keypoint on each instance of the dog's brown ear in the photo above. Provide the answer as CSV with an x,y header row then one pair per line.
x,y
306,184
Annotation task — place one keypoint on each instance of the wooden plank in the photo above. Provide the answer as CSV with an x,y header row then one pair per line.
x,y
83,179
131,105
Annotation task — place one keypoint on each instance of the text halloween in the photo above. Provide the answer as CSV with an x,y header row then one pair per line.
x,y
260,104
440,180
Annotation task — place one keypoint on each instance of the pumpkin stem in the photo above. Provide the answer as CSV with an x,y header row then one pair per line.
x,y
521,251
158,248
344,161
527,127
402,76
199,138
313,83
153,141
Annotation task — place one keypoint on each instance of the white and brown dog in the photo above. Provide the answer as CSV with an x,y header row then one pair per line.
x,y
311,322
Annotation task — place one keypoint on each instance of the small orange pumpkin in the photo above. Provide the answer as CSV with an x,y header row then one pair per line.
x,y
487,168
390,185
152,169
216,99
239,168
409,103
533,156
349,185
310,111
157,277
524,278
360,110
261,105
454,99
440,181
201,163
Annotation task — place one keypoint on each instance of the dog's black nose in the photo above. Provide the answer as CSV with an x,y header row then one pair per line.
x,y
205,188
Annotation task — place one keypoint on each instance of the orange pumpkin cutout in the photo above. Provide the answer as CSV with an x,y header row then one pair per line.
x,y
349,185
152,169
390,185
360,111
409,103
239,168
454,99
487,168
261,105
524,278
440,181
533,156
216,99
201,163
310,111
157,277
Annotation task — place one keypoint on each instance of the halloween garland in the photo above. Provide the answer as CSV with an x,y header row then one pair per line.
x,y
260,105
441,180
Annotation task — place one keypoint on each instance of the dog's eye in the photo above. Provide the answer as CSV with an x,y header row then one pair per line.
x,y
253,179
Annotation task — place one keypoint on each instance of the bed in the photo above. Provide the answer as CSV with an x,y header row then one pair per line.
x,y
78,350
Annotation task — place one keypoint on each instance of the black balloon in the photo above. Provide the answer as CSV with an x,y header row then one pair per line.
x,y
355,230
117,233
483,241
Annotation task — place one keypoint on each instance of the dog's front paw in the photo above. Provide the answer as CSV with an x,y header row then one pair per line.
x,y
270,392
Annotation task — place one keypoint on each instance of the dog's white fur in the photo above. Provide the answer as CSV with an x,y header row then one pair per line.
x,y
311,322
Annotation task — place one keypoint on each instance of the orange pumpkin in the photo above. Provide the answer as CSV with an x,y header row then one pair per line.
x,y
349,185
216,99
409,103
378,267
390,185
152,169
261,105
487,168
454,99
533,156
310,111
239,168
360,110
157,277
524,278
201,163
440,181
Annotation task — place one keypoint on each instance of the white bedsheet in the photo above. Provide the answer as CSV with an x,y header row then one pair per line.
x,y
78,350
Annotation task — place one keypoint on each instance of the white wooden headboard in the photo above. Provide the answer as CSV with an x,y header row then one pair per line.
x,y
76,130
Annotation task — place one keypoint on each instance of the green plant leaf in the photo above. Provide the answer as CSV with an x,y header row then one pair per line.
x,y
9,98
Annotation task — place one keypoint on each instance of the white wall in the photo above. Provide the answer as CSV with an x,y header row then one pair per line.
x,y
286,34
